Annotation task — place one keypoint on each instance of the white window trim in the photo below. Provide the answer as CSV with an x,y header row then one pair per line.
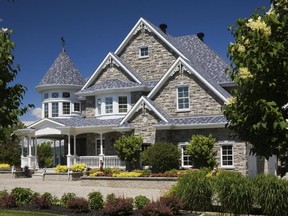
x,y
186,109
77,111
180,145
144,56
225,143
69,108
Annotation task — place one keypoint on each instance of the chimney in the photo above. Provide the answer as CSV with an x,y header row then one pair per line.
x,y
163,27
201,35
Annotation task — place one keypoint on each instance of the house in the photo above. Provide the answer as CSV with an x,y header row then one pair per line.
x,y
160,87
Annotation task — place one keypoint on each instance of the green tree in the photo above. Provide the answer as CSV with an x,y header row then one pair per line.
x,y
259,59
162,157
201,150
11,94
128,148
45,154
9,144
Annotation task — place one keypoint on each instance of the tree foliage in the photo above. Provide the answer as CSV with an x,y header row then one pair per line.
x,y
201,150
162,157
259,59
45,154
9,144
11,94
128,148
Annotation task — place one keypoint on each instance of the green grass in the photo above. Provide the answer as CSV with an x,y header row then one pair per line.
x,y
23,213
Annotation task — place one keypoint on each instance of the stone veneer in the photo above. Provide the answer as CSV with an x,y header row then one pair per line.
x,y
90,106
201,101
160,58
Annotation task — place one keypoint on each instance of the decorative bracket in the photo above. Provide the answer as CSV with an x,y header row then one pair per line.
x,y
141,27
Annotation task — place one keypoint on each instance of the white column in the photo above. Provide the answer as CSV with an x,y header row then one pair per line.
x,y
69,153
36,153
74,146
60,153
101,155
29,152
22,146
54,153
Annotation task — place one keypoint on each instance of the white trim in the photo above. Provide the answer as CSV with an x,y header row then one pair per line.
x,y
226,143
99,69
137,106
192,70
177,98
131,33
190,126
44,120
140,51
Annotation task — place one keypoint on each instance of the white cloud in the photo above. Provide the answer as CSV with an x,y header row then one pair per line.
x,y
37,112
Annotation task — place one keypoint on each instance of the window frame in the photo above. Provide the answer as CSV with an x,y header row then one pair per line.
x,y
46,110
66,94
79,106
124,105
46,95
144,52
109,106
66,108
183,98
54,114
183,146
55,95
226,144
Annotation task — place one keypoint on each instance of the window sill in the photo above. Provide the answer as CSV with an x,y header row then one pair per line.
x,y
183,110
227,167
143,57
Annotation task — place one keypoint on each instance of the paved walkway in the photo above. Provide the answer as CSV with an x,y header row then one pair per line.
x,y
58,188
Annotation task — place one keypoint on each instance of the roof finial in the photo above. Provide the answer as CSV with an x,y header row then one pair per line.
x,y
63,43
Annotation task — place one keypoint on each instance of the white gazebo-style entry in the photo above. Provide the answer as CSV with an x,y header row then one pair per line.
x,y
92,145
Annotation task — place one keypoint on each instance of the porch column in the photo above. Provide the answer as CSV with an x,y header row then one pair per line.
x,y
54,153
75,154
69,152
36,153
29,152
60,153
101,155
22,152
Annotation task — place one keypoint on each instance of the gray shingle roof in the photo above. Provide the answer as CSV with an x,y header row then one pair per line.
x,y
111,84
85,122
62,72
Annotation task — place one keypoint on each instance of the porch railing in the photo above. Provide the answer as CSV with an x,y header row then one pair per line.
x,y
111,161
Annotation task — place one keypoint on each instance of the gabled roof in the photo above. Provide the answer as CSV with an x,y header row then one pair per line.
x,y
112,59
62,72
45,121
200,73
144,101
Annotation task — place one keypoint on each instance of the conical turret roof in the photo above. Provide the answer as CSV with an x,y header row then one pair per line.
x,y
62,72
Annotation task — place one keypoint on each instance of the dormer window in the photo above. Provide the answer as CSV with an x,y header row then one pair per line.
x,y
144,53
182,98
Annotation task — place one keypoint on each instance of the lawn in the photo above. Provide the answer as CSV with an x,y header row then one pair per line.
x,y
23,213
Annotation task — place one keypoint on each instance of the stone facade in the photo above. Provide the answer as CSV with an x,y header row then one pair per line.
x,y
201,102
160,57
112,72
90,106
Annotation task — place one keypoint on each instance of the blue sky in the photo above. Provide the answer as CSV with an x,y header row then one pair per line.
x,y
92,28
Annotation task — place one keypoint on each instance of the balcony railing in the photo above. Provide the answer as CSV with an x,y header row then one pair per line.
x,y
111,161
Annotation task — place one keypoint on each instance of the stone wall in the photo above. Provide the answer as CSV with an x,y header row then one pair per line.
x,y
159,61
90,106
112,72
202,101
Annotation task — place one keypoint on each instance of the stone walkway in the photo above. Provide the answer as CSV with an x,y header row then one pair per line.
x,y
58,188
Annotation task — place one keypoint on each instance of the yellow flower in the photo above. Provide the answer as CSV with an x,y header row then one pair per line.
x,y
259,24
241,48
230,100
244,73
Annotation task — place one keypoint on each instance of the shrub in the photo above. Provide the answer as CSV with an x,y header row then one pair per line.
x,y
194,190
118,206
127,174
95,200
234,192
80,204
201,150
61,169
140,201
271,194
42,201
78,167
7,200
23,196
107,171
65,197
145,172
174,203
162,157
4,167
156,208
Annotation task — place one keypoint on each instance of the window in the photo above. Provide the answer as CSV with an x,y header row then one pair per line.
x,y
55,109
55,95
98,146
186,159
77,107
183,98
98,105
226,155
122,104
66,94
46,110
66,108
46,95
109,104
144,52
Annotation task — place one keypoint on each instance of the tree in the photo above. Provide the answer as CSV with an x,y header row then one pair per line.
x,y
201,150
9,145
11,94
259,61
45,154
128,148
162,157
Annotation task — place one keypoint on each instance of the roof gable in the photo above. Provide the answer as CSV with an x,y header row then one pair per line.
x,y
112,59
43,123
180,65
